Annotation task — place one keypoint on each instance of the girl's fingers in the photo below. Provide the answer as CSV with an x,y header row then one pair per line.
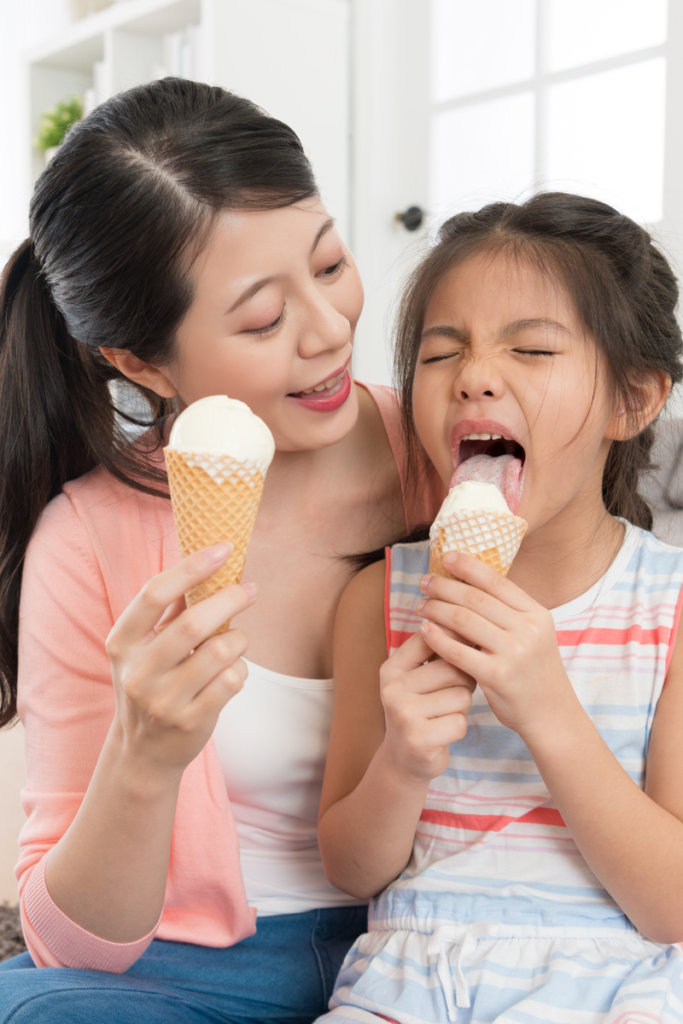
x,y
475,573
468,659
464,622
145,610
414,652
439,675
454,700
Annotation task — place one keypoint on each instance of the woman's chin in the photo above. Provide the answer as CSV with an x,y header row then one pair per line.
x,y
305,429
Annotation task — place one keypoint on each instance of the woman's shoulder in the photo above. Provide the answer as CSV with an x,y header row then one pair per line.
x,y
99,525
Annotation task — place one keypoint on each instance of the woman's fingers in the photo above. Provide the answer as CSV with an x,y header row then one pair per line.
x,y
146,609
197,623
211,660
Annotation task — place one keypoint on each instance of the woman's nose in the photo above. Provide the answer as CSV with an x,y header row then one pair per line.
x,y
325,329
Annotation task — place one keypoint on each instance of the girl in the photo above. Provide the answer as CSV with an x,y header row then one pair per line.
x,y
178,242
492,789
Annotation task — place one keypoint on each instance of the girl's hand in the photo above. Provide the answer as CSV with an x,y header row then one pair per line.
x,y
425,708
510,644
171,676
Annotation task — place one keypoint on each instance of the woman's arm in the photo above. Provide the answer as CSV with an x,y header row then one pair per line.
x,y
104,762
632,840
392,723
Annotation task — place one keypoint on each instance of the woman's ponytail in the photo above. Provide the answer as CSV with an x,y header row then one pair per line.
x,y
53,405
115,222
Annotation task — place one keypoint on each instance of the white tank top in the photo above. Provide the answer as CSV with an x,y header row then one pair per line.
x,y
271,741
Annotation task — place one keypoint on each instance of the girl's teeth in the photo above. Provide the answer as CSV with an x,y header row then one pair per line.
x,y
482,437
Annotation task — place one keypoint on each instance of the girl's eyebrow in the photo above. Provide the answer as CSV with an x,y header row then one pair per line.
x,y
515,327
534,322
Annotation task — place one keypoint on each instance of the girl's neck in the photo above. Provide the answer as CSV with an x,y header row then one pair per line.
x,y
567,556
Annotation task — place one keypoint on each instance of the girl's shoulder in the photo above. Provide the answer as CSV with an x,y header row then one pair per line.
x,y
405,566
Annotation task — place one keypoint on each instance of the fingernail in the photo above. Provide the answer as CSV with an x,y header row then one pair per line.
x,y
218,552
421,604
425,627
451,558
424,583
250,588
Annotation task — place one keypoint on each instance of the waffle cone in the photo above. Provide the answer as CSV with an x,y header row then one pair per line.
x,y
492,537
215,499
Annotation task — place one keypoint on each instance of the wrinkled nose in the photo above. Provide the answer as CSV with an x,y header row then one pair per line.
x,y
478,379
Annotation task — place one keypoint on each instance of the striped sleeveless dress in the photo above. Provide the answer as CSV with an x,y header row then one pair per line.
x,y
498,917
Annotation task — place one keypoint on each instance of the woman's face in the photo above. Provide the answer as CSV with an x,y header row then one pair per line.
x,y
276,300
504,353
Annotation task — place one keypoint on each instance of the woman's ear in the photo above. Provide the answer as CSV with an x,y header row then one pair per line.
x,y
649,391
139,372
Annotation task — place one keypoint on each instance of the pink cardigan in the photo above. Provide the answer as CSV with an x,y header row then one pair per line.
x,y
95,546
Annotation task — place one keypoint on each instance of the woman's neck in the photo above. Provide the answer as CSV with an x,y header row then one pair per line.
x,y
564,558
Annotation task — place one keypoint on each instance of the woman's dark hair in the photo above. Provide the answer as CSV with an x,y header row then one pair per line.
x,y
623,288
115,222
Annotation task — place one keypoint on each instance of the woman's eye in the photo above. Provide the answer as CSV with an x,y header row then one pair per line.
x,y
269,327
336,268
534,352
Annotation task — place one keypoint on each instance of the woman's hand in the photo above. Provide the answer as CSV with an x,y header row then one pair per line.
x,y
509,647
171,676
425,708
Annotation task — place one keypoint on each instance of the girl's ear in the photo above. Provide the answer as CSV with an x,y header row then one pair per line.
x,y
649,391
139,372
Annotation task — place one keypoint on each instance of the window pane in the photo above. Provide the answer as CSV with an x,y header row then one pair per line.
x,y
580,31
606,138
482,153
480,44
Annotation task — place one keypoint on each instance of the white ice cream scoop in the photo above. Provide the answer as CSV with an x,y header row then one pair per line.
x,y
473,496
219,425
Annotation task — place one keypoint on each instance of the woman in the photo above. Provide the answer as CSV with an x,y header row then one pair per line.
x,y
178,243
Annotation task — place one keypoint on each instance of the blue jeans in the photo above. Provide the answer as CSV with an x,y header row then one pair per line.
x,y
285,972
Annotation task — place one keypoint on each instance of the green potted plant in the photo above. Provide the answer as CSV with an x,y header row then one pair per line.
x,y
55,123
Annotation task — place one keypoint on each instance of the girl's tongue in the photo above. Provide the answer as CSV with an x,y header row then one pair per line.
x,y
505,471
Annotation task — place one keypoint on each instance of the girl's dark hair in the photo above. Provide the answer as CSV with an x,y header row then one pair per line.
x,y
115,222
623,288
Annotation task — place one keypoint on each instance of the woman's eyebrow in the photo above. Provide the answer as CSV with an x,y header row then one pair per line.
x,y
323,230
249,292
252,290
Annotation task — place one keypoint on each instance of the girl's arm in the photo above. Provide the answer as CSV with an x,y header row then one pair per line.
x,y
632,840
392,723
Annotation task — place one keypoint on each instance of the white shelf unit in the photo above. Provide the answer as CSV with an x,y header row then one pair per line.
x,y
290,56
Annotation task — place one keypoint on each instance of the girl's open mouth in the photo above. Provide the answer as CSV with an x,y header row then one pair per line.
x,y
493,458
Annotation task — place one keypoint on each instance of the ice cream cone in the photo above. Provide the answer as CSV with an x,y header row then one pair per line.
x,y
492,537
215,498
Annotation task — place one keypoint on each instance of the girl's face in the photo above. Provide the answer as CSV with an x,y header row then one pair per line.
x,y
277,298
503,352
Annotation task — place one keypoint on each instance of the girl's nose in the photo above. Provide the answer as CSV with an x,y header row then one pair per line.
x,y
478,379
